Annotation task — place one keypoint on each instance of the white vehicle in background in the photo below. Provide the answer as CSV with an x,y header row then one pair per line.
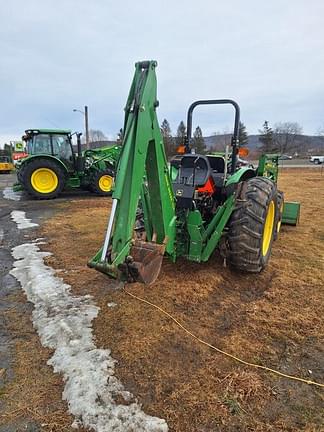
x,y
316,159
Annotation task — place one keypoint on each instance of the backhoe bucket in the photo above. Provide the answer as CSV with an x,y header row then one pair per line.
x,y
145,261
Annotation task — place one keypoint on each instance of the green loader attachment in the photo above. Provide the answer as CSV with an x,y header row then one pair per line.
x,y
191,208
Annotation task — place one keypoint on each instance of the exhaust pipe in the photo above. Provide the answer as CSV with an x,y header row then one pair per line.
x,y
80,162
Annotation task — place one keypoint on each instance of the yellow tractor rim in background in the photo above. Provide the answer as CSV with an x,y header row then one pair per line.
x,y
106,183
44,180
268,228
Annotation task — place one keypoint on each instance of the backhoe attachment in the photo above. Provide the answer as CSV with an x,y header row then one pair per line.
x,y
142,180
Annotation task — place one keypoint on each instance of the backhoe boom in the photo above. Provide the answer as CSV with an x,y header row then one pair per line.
x,y
142,171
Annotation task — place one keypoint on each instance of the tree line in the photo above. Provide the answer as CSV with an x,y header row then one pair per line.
x,y
171,142
283,138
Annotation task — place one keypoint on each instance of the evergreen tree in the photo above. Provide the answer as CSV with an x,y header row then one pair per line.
x,y
243,135
181,134
198,142
168,141
266,138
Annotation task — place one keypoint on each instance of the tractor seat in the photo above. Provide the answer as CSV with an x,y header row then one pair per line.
x,y
217,164
194,170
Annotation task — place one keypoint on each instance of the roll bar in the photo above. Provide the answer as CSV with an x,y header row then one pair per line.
x,y
235,138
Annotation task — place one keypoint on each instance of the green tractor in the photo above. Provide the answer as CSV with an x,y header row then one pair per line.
x,y
53,166
198,204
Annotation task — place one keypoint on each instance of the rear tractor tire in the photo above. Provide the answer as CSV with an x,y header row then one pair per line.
x,y
102,182
253,224
42,178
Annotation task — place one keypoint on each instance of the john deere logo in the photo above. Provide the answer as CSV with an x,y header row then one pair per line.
x,y
19,146
179,192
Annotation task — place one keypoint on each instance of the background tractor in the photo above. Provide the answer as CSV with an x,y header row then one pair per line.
x,y
52,165
200,203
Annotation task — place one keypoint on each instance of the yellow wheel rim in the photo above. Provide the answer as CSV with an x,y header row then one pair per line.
x,y
44,180
268,229
105,183
280,219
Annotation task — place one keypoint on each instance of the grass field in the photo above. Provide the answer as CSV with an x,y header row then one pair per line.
x,y
274,319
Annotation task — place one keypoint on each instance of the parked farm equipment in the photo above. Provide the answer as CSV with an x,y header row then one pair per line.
x,y
6,165
188,210
52,165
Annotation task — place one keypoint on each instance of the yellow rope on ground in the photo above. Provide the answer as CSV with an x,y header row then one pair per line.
x,y
221,351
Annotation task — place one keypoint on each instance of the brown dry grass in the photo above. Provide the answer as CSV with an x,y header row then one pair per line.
x,y
35,392
275,318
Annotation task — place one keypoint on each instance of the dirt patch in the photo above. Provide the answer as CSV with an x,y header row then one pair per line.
x,y
274,318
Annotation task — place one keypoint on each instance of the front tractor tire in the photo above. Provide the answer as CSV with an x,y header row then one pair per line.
x,y
102,182
253,225
42,178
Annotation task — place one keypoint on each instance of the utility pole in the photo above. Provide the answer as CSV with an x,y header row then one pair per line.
x,y
86,124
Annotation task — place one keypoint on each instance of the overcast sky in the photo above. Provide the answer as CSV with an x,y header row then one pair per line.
x,y
58,55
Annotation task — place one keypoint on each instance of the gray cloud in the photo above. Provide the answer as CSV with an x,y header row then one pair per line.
x,y
59,55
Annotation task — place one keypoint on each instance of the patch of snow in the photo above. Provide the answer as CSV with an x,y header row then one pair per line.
x,y
20,218
8,193
1,234
63,322
111,304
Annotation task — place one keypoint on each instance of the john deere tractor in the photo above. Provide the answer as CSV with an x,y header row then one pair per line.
x,y
204,203
52,165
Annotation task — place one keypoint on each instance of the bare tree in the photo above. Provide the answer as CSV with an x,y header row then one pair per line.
x,y
96,135
221,140
320,131
285,136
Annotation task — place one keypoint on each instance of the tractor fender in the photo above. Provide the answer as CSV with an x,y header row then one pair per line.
x,y
43,156
240,175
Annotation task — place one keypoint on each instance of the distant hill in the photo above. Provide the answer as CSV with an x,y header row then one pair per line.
x,y
303,144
